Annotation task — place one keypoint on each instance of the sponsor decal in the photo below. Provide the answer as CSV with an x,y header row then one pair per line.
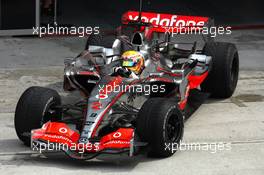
x,y
101,96
93,115
96,105
162,21
82,139
89,123
63,130
117,135
117,142
57,137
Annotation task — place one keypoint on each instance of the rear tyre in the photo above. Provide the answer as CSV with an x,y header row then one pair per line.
x,y
34,109
160,123
223,76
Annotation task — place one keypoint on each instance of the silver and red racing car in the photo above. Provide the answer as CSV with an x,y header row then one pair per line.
x,y
135,85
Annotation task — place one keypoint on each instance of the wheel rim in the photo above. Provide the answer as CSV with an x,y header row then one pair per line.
x,y
47,115
173,128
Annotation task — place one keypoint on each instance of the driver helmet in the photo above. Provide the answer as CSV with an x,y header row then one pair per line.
x,y
133,61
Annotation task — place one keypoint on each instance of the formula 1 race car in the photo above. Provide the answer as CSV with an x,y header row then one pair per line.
x,y
134,87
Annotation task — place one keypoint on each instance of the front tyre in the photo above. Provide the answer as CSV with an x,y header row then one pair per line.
x,y
160,123
34,109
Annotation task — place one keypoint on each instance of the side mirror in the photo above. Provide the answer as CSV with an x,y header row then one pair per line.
x,y
68,61
100,61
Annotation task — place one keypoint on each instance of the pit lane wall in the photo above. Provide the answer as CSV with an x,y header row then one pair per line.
x,y
108,12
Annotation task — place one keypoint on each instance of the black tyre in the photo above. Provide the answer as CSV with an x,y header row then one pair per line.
x,y
223,76
160,123
100,40
33,110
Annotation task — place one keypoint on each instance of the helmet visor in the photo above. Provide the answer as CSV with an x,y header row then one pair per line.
x,y
128,63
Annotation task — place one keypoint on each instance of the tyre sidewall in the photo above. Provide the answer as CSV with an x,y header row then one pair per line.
x,y
31,110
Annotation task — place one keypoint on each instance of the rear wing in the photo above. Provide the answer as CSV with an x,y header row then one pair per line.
x,y
168,22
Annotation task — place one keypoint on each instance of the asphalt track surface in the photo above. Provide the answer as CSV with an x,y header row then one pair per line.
x,y
237,121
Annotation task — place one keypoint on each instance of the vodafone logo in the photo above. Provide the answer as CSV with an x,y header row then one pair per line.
x,y
166,20
63,130
117,135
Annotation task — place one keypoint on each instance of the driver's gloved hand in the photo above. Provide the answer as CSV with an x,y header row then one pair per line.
x,y
123,72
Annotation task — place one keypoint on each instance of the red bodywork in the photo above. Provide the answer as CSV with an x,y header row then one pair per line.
x,y
194,81
60,133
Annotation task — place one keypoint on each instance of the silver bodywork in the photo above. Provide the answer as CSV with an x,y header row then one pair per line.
x,y
110,55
